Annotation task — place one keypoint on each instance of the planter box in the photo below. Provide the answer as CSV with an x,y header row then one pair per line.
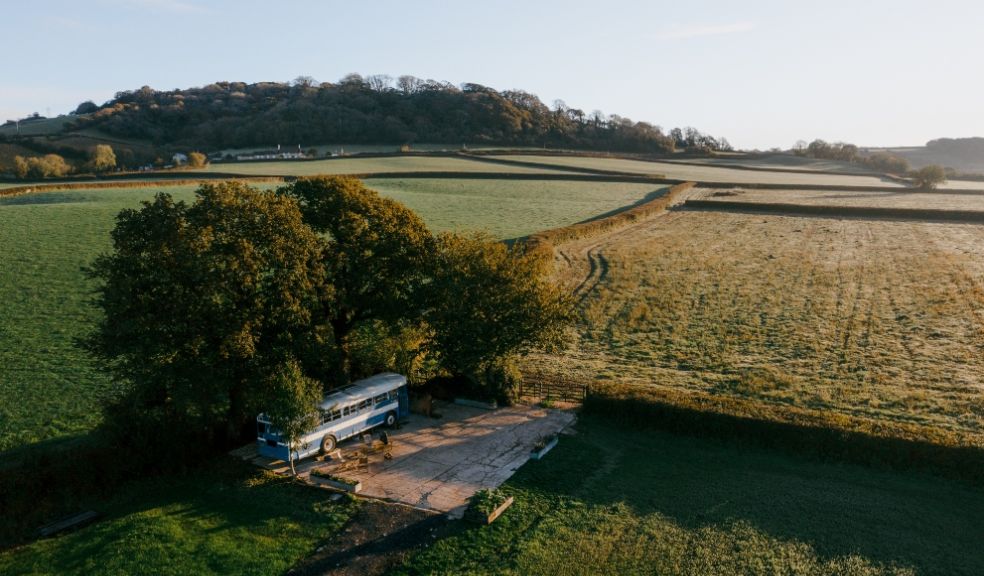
x,y
538,454
479,518
476,403
344,486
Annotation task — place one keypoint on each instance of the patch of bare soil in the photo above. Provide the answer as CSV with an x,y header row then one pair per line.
x,y
378,538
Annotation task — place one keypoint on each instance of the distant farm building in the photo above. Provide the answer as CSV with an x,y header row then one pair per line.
x,y
277,154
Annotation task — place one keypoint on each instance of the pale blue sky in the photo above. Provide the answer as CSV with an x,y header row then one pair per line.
x,y
760,73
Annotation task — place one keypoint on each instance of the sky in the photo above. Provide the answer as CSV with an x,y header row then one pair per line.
x,y
760,73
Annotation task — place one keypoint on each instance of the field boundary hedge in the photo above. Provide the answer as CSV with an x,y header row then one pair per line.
x,y
826,435
931,214
55,187
677,160
546,240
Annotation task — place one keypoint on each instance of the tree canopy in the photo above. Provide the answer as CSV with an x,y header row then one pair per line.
x,y
370,110
247,301
929,177
374,249
204,303
102,158
489,303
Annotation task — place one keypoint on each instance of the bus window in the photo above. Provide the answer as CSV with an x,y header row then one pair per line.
x,y
346,411
364,404
381,398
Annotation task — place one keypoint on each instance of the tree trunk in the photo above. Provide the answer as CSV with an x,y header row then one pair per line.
x,y
340,328
237,405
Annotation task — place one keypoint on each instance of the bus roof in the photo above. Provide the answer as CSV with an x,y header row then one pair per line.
x,y
366,388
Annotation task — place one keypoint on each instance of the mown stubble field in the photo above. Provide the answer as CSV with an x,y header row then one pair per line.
x,y
877,319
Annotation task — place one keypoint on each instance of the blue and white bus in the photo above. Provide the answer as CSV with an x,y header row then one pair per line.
x,y
379,400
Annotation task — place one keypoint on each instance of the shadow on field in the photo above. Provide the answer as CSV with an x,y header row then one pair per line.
x,y
39,199
649,197
903,518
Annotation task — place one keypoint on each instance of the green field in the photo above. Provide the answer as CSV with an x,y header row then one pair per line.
x,y
617,501
36,127
49,388
222,520
369,166
702,173
509,208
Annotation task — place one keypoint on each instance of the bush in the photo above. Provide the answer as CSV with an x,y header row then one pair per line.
x,y
929,177
48,166
502,381
197,160
484,502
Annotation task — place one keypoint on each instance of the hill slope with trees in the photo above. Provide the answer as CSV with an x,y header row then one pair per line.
x,y
355,110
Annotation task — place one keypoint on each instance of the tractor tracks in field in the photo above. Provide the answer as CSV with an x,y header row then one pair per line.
x,y
585,262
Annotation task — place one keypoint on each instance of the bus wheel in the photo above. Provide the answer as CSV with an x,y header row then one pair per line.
x,y
328,444
391,419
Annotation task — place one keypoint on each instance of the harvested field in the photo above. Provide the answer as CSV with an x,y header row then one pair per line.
x,y
901,199
962,185
367,166
704,174
876,319
782,162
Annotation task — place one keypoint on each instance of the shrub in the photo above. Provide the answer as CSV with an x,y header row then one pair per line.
x,y
485,501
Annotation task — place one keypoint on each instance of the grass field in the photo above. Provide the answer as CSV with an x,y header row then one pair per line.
x,y
702,173
617,501
368,166
36,127
938,200
49,388
509,208
877,319
223,520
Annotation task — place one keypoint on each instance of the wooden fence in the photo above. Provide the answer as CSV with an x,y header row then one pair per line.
x,y
552,387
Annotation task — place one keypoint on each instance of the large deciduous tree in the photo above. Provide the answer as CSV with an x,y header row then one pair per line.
x,y
929,177
375,250
102,158
204,306
490,303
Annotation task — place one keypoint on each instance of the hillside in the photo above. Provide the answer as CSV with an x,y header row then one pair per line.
x,y
965,155
360,111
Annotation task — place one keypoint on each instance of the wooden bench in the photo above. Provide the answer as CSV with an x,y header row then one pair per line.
x,y
70,523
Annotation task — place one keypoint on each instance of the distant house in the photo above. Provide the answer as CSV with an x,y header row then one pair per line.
x,y
179,158
277,154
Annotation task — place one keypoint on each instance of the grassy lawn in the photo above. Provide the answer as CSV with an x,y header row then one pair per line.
x,y
702,173
224,520
368,166
875,319
509,208
616,501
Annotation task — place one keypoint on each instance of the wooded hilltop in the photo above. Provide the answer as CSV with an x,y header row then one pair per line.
x,y
371,110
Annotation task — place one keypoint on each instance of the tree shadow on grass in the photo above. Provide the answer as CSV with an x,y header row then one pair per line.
x,y
903,518
222,515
